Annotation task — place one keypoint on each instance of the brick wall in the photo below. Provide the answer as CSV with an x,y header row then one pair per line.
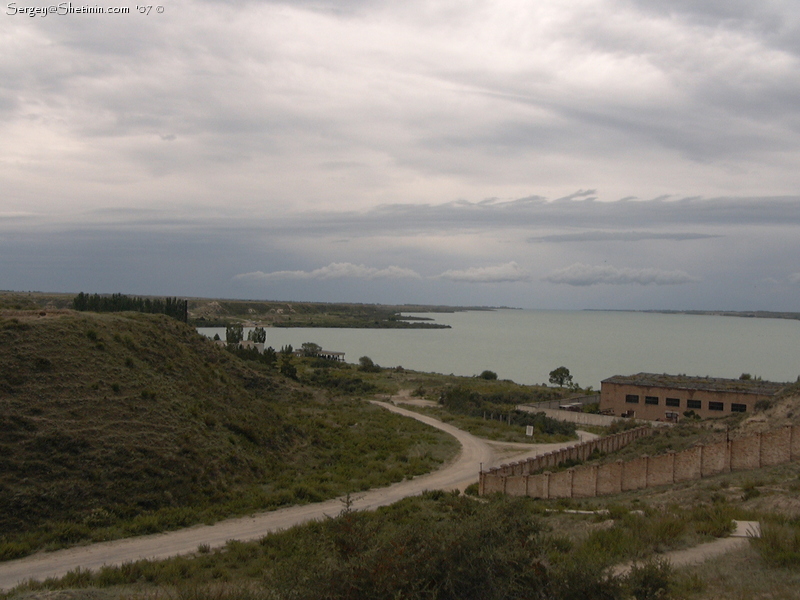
x,y
489,483
688,464
703,460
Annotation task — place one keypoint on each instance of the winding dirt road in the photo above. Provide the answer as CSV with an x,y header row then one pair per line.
x,y
455,475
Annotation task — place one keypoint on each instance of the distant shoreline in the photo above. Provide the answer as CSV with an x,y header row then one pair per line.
x,y
752,314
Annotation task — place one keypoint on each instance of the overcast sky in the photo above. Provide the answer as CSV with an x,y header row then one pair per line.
x,y
634,154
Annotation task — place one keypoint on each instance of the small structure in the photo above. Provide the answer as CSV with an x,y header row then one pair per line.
x,y
250,344
667,397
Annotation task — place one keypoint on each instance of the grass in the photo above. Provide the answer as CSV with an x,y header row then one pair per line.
x,y
354,553
438,545
491,429
739,575
123,424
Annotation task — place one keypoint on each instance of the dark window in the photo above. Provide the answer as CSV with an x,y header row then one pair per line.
x,y
673,401
716,406
738,407
632,399
694,404
651,399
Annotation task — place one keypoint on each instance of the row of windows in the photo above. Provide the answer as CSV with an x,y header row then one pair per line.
x,y
690,404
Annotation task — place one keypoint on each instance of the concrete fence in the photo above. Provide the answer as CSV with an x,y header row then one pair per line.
x,y
569,416
581,418
703,460
494,480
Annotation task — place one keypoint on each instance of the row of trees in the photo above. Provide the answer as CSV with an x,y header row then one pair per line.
x,y
172,307
235,334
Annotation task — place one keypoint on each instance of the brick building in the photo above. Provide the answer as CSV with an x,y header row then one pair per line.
x,y
666,397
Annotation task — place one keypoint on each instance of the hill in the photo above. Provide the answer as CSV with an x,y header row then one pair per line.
x,y
126,423
219,312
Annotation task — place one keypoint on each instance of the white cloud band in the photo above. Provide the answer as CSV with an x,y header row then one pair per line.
x,y
505,273
334,271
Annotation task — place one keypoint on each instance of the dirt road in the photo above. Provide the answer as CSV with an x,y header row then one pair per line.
x,y
455,475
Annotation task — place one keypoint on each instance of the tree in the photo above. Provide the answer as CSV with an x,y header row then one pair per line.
x,y
258,335
310,349
287,368
269,357
234,334
366,364
488,375
560,376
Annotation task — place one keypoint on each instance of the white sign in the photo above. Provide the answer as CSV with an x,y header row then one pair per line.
x,y
529,430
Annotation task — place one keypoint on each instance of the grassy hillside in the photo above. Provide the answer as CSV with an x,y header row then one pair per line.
x,y
120,424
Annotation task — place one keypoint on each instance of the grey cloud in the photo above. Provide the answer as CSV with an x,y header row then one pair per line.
x,y
583,195
534,214
622,220
618,236
794,278
580,274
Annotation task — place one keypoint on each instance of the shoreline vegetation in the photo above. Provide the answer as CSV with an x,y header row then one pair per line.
x,y
219,312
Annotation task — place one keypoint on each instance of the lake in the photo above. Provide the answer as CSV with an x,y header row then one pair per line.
x,y
525,345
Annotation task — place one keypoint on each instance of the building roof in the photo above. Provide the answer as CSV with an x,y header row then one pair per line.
x,y
685,382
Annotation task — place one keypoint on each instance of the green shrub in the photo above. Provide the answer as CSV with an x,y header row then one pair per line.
x,y
779,544
650,581
715,520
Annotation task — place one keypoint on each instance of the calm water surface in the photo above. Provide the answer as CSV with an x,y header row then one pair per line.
x,y
525,345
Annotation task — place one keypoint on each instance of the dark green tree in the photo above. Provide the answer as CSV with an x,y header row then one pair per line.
x,y
366,364
258,335
560,376
286,366
269,357
489,375
310,349
234,334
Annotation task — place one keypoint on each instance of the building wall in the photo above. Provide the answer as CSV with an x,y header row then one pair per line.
x,y
613,399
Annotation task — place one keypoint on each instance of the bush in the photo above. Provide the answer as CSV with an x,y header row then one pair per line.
x,y
488,375
366,364
650,581
462,400
779,545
